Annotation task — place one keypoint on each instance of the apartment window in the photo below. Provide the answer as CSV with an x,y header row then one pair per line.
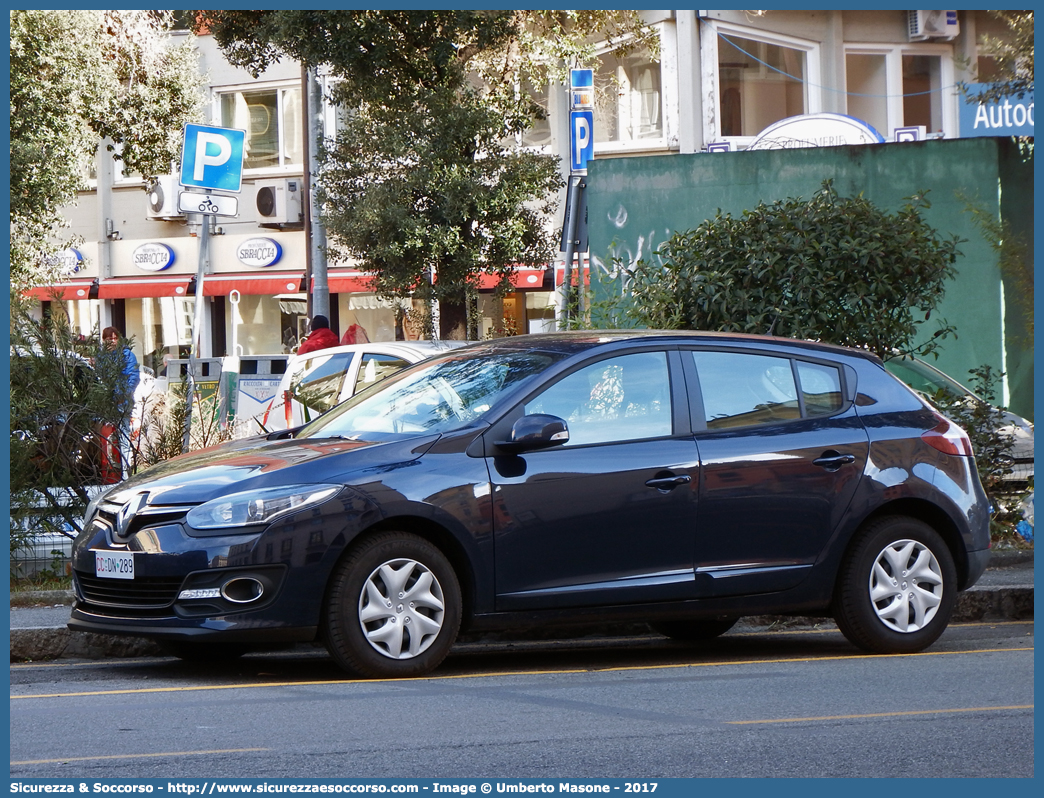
x,y
628,99
759,83
868,89
922,91
538,134
273,121
890,87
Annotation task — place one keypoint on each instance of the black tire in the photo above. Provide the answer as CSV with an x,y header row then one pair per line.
x,y
203,652
695,630
380,640
889,609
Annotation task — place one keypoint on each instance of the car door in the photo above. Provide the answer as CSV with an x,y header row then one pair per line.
x,y
610,516
782,451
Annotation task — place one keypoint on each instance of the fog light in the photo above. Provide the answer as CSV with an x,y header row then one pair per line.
x,y
202,593
242,590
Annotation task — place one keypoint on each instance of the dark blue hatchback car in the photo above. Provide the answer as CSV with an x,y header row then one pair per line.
x,y
683,479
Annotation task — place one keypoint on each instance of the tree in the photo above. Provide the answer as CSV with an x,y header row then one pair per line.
x,y
1013,56
77,77
830,268
61,396
423,185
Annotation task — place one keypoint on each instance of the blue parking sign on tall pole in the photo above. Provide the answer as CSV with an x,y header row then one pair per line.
x,y
581,150
212,158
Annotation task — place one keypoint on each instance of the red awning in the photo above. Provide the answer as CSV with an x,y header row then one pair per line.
x,y
138,288
520,278
74,289
349,282
224,284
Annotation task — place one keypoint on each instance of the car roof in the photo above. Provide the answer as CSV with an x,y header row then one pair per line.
x,y
425,348
572,341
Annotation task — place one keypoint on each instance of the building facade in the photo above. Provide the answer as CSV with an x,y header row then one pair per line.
x,y
718,82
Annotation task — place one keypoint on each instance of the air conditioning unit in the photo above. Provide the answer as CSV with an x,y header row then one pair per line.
x,y
934,24
279,202
162,199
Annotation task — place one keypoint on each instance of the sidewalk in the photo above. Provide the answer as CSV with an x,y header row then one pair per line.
x,y
38,631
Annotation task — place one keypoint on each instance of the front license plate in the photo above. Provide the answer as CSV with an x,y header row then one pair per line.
x,y
114,564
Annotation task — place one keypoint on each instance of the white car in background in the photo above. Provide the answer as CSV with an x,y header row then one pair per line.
x,y
317,381
926,380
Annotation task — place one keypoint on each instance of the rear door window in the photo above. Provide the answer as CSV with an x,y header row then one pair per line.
x,y
742,389
375,367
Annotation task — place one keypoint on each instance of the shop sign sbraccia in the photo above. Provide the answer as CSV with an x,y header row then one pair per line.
x,y
259,252
69,261
153,257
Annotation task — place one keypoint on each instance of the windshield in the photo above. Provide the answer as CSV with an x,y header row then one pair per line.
x,y
435,396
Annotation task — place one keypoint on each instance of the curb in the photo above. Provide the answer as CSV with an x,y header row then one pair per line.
x,y
50,643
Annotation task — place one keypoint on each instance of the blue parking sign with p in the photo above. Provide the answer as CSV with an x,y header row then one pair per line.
x,y
581,140
212,158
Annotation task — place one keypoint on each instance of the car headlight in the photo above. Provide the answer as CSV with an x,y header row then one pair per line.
x,y
257,506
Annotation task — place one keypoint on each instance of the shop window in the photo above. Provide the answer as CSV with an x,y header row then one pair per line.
x,y
759,83
628,99
273,121
161,328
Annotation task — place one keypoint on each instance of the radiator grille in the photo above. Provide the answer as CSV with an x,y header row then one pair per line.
x,y
151,593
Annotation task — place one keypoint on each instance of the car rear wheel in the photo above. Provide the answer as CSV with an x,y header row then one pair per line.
x,y
394,607
694,630
897,587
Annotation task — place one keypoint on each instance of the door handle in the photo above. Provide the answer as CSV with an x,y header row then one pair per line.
x,y
832,461
668,483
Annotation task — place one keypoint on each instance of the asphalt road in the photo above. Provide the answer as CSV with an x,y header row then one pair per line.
x,y
753,703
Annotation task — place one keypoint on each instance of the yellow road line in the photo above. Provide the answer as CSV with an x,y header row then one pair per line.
x,y
622,668
877,715
136,756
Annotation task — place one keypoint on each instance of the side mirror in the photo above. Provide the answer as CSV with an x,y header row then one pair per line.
x,y
538,431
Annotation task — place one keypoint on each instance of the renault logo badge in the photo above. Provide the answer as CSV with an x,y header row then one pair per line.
x,y
128,511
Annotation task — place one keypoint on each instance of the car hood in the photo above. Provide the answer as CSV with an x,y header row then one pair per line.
x,y
258,463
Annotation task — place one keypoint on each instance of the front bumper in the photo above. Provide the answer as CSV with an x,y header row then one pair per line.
x,y
263,586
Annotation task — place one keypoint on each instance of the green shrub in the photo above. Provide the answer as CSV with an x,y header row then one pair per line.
x,y
831,268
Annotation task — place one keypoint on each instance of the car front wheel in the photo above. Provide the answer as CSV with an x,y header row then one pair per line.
x,y
897,587
394,608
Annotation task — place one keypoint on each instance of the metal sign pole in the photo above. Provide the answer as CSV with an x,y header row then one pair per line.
x,y
197,324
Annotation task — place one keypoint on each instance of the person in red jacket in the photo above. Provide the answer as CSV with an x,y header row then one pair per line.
x,y
320,337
